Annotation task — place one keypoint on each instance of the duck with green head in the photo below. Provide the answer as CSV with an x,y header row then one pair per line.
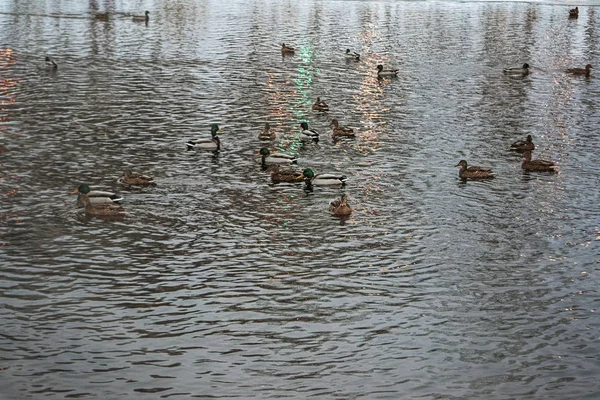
x,y
313,179
382,73
473,172
213,143
524,70
268,158
309,133
95,197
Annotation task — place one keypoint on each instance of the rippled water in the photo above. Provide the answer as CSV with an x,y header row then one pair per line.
x,y
223,285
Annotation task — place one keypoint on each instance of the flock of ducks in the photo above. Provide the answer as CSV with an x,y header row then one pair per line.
x,y
103,203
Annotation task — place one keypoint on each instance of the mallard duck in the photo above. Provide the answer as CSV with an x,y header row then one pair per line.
x,y
269,158
323,179
339,130
213,143
95,197
279,175
50,64
107,210
580,71
130,178
522,145
574,12
536,165
286,49
386,72
267,133
524,70
340,206
473,173
352,55
309,133
140,18
320,105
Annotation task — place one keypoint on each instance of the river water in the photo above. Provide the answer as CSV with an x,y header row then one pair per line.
x,y
220,284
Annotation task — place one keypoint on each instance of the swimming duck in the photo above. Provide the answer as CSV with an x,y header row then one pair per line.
x,y
309,133
339,130
574,12
213,143
320,105
524,70
266,133
269,158
473,173
286,49
130,178
536,165
139,18
352,55
580,71
522,145
386,72
279,175
340,206
101,16
323,179
86,196
50,64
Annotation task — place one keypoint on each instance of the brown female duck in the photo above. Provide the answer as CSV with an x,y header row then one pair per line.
x,y
340,206
473,172
522,145
339,130
537,165
580,71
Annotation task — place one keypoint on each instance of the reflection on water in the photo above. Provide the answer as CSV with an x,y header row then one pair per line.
x,y
220,283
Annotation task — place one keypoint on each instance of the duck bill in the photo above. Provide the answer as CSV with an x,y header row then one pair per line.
x,y
76,191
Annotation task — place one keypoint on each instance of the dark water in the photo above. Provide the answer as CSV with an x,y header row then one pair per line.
x,y
223,285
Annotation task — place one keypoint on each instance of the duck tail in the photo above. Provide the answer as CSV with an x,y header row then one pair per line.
x,y
343,178
190,145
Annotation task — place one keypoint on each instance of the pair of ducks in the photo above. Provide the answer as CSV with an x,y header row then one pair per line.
x,y
104,203
524,70
523,146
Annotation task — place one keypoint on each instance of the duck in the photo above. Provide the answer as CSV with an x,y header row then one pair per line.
x,y
323,179
340,206
213,143
473,173
139,18
320,105
522,145
580,71
309,133
129,178
524,70
339,130
287,49
269,158
574,12
267,133
536,165
86,196
352,55
279,175
106,209
50,64
386,72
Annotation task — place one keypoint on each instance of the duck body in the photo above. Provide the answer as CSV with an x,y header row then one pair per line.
x,y
339,130
50,64
279,175
580,71
266,133
524,70
320,105
287,49
323,179
213,143
522,145
386,72
473,172
352,55
536,165
145,18
340,206
129,178
309,133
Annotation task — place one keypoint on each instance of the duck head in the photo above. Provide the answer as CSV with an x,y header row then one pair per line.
x,y
304,126
462,164
82,189
214,128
